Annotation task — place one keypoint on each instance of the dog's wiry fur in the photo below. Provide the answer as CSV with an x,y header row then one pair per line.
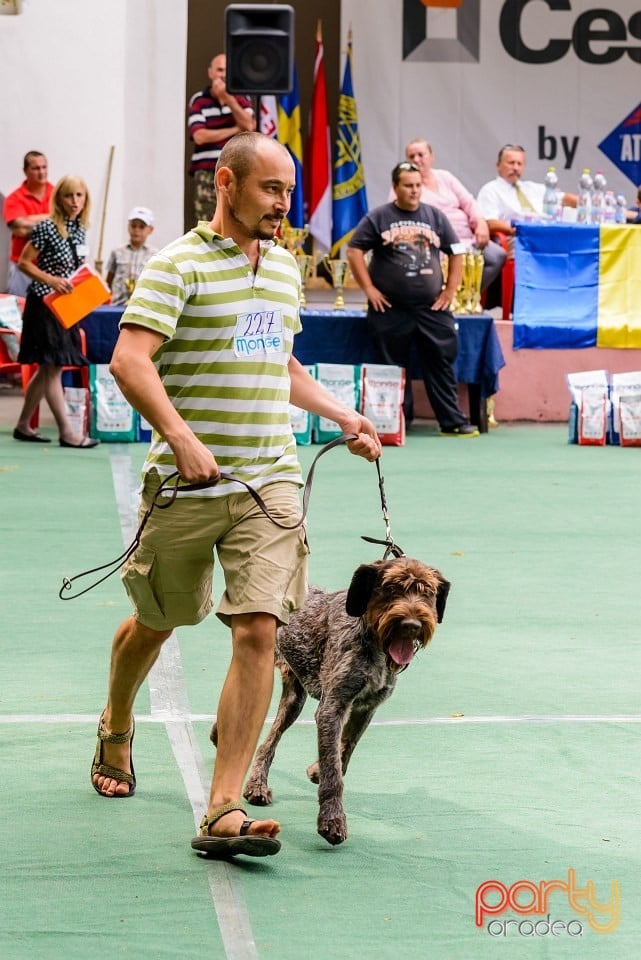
x,y
345,649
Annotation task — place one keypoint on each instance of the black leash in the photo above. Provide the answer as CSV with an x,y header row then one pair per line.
x,y
391,548
173,486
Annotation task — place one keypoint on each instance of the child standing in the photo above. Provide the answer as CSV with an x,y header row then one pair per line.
x,y
126,262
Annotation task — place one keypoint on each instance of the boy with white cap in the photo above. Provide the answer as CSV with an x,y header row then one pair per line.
x,y
126,262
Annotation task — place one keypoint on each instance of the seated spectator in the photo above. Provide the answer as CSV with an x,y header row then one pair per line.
x,y
126,262
508,198
22,210
442,189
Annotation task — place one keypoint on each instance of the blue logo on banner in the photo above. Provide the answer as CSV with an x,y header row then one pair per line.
x,y
623,146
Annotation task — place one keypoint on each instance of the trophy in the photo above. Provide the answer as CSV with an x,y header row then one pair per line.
x,y
464,292
455,305
338,270
478,263
130,284
304,261
293,237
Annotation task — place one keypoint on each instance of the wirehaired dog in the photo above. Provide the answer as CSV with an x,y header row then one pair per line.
x,y
346,649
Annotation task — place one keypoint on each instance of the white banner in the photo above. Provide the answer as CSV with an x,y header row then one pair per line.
x,y
560,77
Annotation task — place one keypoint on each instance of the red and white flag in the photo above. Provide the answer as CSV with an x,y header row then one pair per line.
x,y
268,116
317,166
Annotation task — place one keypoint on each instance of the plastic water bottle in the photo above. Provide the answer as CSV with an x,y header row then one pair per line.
x,y
621,209
598,196
585,193
609,207
550,201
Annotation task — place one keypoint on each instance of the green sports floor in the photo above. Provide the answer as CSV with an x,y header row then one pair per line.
x,y
510,751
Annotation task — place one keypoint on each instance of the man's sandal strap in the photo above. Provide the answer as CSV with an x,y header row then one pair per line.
x,y
219,812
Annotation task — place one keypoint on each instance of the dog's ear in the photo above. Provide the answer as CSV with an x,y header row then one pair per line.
x,y
441,597
360,589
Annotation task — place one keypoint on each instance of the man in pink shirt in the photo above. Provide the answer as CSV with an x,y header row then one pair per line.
x,y
443,190
22,210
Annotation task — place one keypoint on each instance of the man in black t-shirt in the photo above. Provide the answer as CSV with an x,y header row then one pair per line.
x,y
408,306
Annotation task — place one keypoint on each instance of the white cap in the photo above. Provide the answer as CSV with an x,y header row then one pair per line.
x,y
142,213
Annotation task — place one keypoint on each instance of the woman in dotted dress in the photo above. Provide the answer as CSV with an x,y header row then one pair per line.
x,y
56,248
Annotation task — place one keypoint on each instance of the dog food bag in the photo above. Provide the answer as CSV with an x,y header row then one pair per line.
x,y
301,420
112,418
383,389
624,389
593,417
342,380
595,381
144,429
630,420
77,408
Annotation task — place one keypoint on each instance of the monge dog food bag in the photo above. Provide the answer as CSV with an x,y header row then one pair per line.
x,y
112,417
342,380
383,389
625,394
588,418
301,420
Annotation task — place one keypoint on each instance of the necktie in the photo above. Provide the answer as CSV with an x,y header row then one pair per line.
x,y
523,200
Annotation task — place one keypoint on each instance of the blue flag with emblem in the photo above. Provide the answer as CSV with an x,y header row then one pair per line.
x,y
289,134
349,194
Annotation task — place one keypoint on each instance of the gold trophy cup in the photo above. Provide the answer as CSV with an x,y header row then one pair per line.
x,y
338,270
477,279
130,284
293,237
304,261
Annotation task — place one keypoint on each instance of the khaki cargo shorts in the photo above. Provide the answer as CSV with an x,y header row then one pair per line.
x,y
169,577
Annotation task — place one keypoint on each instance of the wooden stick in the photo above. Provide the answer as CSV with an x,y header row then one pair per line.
x,y
104,210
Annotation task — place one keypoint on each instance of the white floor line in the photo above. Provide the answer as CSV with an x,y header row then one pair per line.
x,y
169,719
170,706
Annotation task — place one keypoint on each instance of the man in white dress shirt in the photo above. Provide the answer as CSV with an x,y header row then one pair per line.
x,y
508,198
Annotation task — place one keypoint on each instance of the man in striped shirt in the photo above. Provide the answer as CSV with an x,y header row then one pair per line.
x,y
205,355
214,117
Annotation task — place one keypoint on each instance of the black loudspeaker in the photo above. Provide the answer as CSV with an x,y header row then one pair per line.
x,y
259,45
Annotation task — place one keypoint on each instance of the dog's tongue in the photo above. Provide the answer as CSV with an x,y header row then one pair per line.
x,y
401,651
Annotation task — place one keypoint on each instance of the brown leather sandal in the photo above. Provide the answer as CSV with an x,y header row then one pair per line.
x,y
221,848
104,770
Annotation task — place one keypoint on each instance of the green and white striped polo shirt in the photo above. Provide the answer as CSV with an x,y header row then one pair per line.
x,y
229,335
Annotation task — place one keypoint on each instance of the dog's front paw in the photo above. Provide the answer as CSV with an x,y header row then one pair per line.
x,y
332,824
312,772
257,792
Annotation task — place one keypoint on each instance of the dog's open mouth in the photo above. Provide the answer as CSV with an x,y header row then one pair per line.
x,y
401,650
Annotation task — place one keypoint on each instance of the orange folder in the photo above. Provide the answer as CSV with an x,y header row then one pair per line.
x,y
89,291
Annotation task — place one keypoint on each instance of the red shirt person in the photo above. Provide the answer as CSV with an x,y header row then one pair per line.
x,y
22,210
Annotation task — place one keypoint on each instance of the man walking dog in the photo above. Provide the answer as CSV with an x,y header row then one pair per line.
x,y
205,355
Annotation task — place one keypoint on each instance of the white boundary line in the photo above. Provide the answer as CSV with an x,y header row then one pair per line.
x,y
168,718
170,706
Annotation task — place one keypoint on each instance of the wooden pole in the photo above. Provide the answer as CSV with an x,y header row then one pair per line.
x,y
104,210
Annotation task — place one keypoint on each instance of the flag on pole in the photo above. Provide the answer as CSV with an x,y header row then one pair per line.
x,y
289,134
349,194
318,174
268,123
